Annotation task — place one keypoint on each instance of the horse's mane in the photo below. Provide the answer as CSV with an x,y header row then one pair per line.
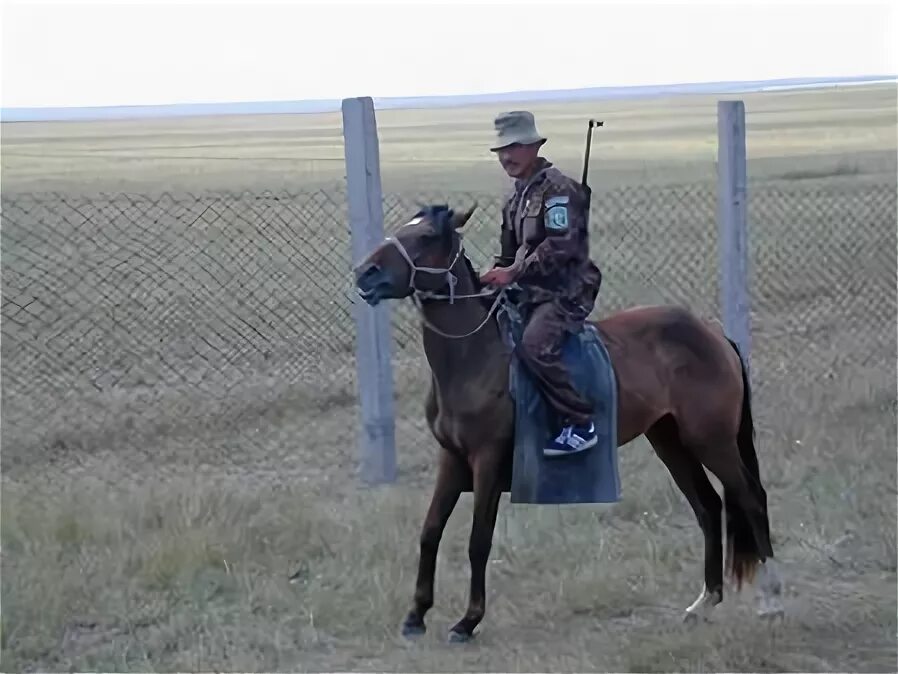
x,y
485,301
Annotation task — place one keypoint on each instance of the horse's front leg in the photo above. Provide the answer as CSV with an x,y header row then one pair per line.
x,y
451,476
487,492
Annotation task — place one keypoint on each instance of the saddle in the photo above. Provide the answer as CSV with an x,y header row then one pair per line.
x,y
586,477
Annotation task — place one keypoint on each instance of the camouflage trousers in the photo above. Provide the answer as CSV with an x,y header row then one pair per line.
x,y
547,326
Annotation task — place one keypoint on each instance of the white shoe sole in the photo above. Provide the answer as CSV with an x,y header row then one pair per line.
x,y
568,452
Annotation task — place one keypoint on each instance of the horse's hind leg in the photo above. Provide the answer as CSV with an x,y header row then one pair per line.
x,y
690,477
748,528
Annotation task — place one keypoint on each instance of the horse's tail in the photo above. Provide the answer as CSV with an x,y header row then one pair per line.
x,y
745,551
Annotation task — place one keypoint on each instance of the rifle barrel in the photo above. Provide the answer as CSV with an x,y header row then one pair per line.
x,y
592,123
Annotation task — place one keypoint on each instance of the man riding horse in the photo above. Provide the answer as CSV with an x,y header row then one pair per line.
x,y
681,381
545,251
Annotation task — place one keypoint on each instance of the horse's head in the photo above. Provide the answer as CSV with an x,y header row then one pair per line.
x,y
418,258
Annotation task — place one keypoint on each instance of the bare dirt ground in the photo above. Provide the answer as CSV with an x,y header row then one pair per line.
x,y
166,467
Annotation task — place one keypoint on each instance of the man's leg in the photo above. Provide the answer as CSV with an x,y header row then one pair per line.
x,y
540,349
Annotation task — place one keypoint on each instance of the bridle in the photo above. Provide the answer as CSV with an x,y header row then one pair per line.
x,y
451,280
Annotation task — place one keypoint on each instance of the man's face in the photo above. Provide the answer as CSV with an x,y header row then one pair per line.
x,y
518,160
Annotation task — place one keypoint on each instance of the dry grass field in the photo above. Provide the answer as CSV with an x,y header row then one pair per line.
x,y
179,404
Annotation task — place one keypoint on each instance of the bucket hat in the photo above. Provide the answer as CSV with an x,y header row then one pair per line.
x,y
514,127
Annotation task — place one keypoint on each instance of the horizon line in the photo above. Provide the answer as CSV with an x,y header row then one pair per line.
x,y
323,105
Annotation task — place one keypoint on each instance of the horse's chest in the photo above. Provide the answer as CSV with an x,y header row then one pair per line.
x,y
449,431
466,429
461,433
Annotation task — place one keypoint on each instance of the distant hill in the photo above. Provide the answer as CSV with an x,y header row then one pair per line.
x,y
408,102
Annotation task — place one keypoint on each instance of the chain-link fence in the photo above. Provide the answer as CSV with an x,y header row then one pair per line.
x,y
225,320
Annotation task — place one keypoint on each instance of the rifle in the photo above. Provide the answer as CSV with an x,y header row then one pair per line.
x,y
592,123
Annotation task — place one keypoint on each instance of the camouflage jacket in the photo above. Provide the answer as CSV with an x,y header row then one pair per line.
x,y
547,215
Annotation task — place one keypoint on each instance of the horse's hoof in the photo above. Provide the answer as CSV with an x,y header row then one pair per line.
x,y
411,630
692,619
459,637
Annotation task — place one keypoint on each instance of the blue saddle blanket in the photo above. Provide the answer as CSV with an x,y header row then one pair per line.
x,y
590,476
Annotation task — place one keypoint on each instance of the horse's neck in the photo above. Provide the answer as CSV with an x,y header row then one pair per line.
x,y
458,362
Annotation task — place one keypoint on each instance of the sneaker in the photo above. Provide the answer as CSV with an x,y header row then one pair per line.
x,y
571,440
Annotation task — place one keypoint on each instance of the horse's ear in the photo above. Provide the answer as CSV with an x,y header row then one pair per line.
x,y
459,219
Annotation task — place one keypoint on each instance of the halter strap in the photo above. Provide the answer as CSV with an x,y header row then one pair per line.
x,y
451,281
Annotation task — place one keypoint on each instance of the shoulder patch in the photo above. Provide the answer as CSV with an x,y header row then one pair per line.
x,y
556,215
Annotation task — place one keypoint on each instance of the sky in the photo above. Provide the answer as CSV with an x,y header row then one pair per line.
x,y
62,54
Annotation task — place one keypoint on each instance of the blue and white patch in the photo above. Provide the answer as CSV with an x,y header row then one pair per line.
x,y
556,214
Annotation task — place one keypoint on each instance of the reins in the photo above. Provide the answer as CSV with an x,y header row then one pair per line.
x,y
500,296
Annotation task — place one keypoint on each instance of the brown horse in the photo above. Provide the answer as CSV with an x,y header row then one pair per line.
x,y
681,383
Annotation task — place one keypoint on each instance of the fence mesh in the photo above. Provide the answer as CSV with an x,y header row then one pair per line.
x,y
227,318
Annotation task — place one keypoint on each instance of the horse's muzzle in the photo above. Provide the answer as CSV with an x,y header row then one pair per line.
x,y
374,284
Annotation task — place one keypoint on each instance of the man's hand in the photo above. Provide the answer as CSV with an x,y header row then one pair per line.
x,y
500,276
